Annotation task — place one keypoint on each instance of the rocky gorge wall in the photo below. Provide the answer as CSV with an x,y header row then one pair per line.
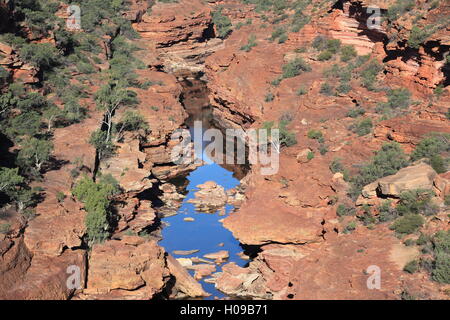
x,y
303,249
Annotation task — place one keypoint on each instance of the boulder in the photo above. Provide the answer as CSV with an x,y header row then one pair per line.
x,y
185,286
419,176
126,269
209,198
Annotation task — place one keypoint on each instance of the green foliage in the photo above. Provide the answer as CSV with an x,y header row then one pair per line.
x,y
397,99
302,91
387,212
399,8
348,52
431,146
356,112
411,267
299,20
387,161
327,47
222,23
269,97
447,200
343,210
419,35
277,33
438,163
105,148
310,156
4,74
4,228
287,138
362,127
25,197
41,55
131,121
351,226
408,224
34,153
38,16
441,265
9,179
295,68
60,196
323,149
96,199
336,166
369,74
315,134
416,202
325,55
25,124
250,44
326,89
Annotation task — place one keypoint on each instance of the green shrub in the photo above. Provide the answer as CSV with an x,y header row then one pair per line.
x,y
315,134
325,55
34,153
9,180
323,149
419,35
441,265
369,74
408,224
438,163
96,199
222,23
319,43
343,210
310,156
4,228
287,138
105,148
41,55
250,44
399,8
362,127
356,112
387,212
411,267
60,196
277,33
397,99
283,38
302,91
269,97
4,74
351,226
417,202
431,146
295,68
326,89
131,121
447,200
387,161
343,88
347,53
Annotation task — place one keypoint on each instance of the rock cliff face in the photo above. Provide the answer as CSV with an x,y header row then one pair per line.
x,y
299,208
182,34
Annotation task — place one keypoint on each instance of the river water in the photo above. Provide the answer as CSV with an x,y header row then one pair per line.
x,y
206,233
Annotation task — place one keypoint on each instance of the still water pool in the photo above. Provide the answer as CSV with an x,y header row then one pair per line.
x,y
206,232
